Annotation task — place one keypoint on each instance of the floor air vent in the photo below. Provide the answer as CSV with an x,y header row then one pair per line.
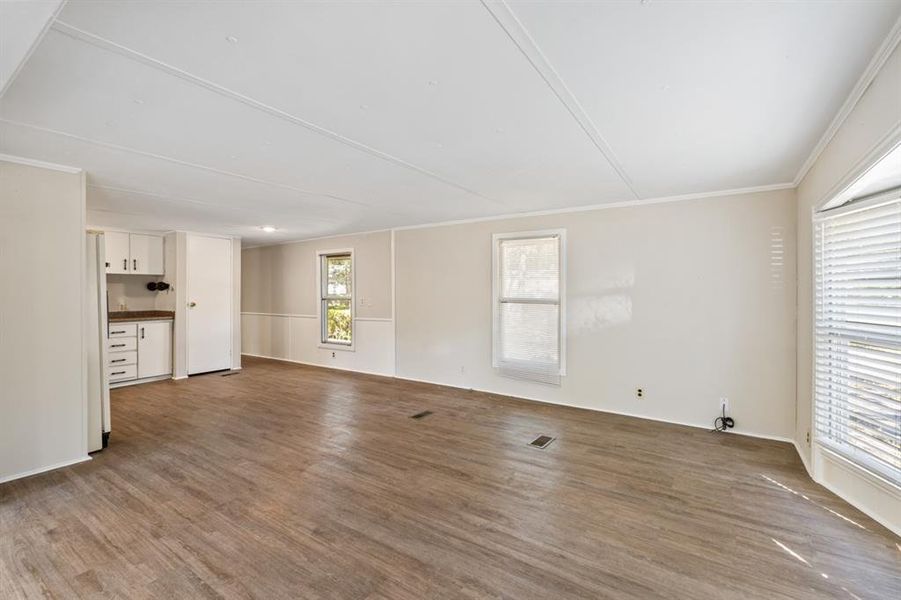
x,y
542,441
421,415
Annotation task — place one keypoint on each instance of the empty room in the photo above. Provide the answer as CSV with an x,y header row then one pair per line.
x,y
450,299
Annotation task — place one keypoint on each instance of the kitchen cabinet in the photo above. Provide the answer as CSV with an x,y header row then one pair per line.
x,y
117,252
146,254
154,348
134,253
138,350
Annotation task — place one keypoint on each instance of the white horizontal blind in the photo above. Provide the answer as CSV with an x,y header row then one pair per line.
x,y
858,334
527,307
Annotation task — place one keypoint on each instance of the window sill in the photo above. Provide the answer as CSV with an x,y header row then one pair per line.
x,y
341,347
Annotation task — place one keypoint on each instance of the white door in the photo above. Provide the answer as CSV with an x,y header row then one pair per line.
x,y
209,296
117,252
146,254
154,348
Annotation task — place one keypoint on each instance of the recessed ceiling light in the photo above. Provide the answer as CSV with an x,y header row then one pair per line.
x,y
138,101
231,39
432,83
364,106
268,228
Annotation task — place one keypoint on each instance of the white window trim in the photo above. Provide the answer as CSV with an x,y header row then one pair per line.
x,y
353,295
840,455
495,325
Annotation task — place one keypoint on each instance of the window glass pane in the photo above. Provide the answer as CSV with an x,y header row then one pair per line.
x,y
529,333
338,321
338,276
530,268
858,336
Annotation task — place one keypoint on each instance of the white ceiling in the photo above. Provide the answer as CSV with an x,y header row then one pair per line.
x,y
324,118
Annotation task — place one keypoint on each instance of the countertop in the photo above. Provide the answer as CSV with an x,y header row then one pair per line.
x,y
141,315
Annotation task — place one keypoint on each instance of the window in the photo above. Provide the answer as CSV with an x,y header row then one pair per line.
x,y
528,305
858,334
336,277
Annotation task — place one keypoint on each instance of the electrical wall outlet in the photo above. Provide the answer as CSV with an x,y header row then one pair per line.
x,y
724,405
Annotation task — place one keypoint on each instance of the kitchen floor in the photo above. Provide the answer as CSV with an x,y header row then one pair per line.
x,y
287,481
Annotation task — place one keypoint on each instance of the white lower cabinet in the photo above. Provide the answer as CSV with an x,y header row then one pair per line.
x,y
154,349
139,351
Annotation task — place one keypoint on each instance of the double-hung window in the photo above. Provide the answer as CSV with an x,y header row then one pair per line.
x,y
528,305
336,297
858,333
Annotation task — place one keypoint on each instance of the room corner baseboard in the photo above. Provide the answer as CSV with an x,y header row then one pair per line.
x,y
707,426
40,470
324,366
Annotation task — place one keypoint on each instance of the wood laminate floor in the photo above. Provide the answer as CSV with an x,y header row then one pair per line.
x,y
287,481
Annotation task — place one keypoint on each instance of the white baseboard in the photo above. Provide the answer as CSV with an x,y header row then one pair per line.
x,y
323,365
40,470
707,426
625,414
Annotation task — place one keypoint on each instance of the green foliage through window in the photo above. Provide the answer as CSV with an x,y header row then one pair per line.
x,y
337,299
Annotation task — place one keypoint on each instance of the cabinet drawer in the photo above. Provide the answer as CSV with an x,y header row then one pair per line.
x,y
122,373
121,344
118,359
122,330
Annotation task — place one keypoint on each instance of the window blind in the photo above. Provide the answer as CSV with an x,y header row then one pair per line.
x,y
527,308
858,334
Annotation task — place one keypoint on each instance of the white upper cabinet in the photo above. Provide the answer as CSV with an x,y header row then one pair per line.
x,y
134,253
117,253
146,254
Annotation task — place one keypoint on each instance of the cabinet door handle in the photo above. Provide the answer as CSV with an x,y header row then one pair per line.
x,y
117,346
142,333
118,373
115,332
135,263
119,360
125,264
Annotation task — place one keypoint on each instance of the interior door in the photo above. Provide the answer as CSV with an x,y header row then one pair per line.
x,y
117,251
154,348
146,254
209,297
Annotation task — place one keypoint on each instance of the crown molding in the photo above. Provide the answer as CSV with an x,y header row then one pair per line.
x,y
31,162
555,211
860,88
522,39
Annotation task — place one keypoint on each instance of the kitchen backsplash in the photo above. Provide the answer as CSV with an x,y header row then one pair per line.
x,y
129,292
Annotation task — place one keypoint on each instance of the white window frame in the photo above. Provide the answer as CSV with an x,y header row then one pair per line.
x,y
874,472
495,288
320,316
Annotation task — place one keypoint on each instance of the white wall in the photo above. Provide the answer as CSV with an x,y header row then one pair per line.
x,y
43,419
688,300
131,290
280,300
872,128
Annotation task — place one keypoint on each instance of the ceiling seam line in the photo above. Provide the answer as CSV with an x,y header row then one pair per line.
x,y
111,46
182,162
508,20
34,45
171,198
